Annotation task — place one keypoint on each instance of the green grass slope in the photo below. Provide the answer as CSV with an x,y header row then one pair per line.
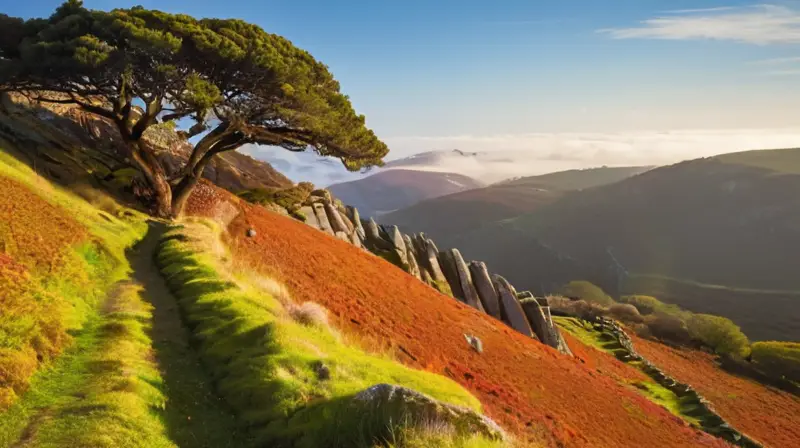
x,y
266,363
102,389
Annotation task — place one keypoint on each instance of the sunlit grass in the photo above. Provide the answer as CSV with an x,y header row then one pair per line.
x,y
83,328
266,363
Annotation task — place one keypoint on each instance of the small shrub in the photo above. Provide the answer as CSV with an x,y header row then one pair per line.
x,y
781,359
719,333
645,304
298,215
309,314
669,328
650,305
288,198
625,312
588,292
577,308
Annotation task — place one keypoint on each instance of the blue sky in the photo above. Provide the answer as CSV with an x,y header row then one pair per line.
x,y
425,70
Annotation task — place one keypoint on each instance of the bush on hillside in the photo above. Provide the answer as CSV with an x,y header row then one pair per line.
x,y
668,328
587,291
288,198
625,312
719,333
780,359
579,308
650,305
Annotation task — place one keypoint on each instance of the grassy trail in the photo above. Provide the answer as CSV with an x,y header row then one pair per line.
x,y
194,415
130,378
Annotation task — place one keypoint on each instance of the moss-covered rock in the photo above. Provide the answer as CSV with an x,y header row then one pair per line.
x,y
389,403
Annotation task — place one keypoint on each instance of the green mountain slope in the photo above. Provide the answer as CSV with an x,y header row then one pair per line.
x,y
452,215
714,235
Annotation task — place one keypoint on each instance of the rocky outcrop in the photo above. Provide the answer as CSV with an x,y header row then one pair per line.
x,y
465,280
446,271
486,290
450,271
510,309
399,246
538,314
413,265
387,403
311,217
322,218
335,219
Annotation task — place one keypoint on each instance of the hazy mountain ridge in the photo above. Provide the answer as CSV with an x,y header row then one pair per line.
x,y
703,222
496,202
394,189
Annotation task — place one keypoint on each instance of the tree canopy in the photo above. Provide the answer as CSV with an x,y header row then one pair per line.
x,y
138,67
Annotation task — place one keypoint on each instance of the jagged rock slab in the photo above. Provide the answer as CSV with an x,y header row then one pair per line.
x,y
450,271
413,267
373,239
355,219
355,240
311,217
342,236
510,309
436,271
322,218
486,291
465,279
389,403
347,222
541,325
399,244
334,218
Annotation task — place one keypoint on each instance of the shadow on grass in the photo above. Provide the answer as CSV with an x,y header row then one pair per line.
x,y
195,416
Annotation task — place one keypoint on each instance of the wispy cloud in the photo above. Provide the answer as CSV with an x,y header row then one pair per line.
x,y
700,10
757,24
777,61
795,72
510,155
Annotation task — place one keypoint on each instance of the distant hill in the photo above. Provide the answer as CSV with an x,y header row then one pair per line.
x,y
713,235
578,179
393,189
447,217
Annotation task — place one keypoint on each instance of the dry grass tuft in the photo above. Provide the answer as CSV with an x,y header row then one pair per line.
x,y
309,314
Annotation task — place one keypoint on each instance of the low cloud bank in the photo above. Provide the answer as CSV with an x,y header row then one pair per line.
x,y
502,156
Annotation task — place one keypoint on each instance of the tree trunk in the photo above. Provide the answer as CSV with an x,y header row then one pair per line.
x,y
156,177
181,193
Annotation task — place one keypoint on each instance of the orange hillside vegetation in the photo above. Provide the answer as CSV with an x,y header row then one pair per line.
x,y
768,415
530,389
32,231
33,237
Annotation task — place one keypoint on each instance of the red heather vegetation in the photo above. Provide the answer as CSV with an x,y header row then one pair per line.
x,y
604,363
530,389
32,231
768,415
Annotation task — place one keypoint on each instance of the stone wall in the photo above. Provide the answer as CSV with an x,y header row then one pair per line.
x,y
445,270
710,420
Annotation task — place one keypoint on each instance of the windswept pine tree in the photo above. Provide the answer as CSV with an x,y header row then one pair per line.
x,y
235,84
